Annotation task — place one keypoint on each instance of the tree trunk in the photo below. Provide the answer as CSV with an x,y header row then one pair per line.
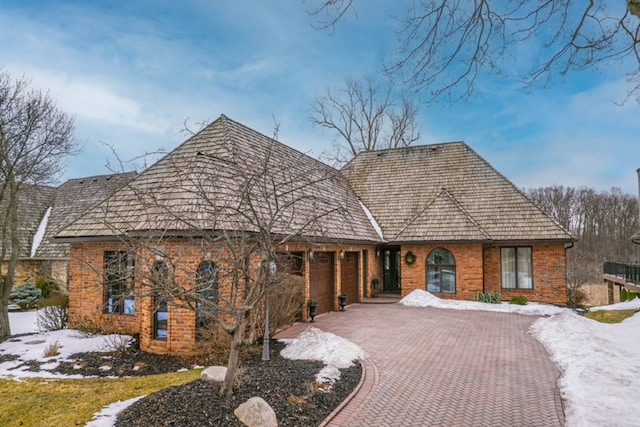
x,y
234,353
5,330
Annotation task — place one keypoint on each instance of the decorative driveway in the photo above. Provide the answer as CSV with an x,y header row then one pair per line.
x,y
435,367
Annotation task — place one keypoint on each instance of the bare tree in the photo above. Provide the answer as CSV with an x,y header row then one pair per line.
x,y
35,138
235,206
603,223
365,115
445,45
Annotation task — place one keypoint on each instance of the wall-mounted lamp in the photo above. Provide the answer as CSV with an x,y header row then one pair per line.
x,y
377,253
310,254
341,256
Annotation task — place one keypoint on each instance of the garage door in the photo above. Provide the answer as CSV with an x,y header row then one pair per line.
x,y
349,276
321,281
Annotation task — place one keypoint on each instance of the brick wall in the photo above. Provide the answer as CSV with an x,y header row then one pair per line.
x,y
549,273
87,293
468,257
29,271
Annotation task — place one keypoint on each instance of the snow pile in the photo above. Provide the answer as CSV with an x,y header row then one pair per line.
x,y
314,344
420,298
600,366
107,417
633,304
32,347
23,322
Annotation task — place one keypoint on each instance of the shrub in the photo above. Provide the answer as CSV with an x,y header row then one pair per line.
x,y
52,349
519,300
488,297
53,313
46,285
26,296
577,297
626,295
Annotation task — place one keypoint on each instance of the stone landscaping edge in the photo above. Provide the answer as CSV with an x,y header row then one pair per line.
x,y
365,365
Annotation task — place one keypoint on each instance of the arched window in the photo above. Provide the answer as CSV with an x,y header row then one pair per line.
x,y
160,309
207,289
441,272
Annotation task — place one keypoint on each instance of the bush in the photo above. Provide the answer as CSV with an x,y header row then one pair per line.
x,y
46,285
519,300
26,296
488,297
626,295
53,313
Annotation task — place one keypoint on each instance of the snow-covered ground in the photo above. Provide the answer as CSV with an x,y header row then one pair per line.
x,y
600,363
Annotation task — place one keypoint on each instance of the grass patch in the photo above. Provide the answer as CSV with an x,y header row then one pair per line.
x,y
45,402
613,316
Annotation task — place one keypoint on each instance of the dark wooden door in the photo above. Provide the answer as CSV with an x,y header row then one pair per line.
x,y
391,269
349,276
321,274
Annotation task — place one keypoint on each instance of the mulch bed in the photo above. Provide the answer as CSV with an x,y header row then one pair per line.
x,y
287,385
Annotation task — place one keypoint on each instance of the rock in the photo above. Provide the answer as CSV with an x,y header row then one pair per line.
x,y
255,412
214,373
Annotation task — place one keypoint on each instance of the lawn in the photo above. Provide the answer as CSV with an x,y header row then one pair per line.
x,y
46,402
612,316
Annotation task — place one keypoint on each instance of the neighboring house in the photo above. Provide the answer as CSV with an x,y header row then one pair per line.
x,y
34,202
43,211
434,217
621,276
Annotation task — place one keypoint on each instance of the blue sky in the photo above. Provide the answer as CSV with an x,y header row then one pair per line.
x,y
132,72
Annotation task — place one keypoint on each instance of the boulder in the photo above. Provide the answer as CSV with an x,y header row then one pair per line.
x,y
255,412
214,373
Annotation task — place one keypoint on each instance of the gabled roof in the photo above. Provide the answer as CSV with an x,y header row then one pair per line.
x,y
445,192
202,184
72,199
33,202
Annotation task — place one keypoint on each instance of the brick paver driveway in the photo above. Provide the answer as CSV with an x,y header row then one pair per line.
x,y
434,367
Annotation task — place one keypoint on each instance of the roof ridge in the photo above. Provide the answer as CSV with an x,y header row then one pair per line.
x,y
457,205
466,213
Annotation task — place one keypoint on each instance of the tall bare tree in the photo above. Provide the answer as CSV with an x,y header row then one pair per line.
x,y
365,115
35,138
603,223
445,45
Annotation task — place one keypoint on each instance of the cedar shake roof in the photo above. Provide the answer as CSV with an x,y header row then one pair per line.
x,y
72,199
445,192
201,186
33,202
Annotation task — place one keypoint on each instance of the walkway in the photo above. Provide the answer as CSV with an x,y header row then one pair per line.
x,y
433,367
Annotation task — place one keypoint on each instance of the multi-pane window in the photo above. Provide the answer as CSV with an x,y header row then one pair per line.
x,y
516,265
207,289
160,307
441,272
119,269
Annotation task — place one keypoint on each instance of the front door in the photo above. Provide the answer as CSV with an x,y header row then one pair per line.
x,y
391,270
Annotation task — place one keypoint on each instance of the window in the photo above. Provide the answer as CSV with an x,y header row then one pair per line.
x,y
160,308
516,265
207,289
441,272
119,269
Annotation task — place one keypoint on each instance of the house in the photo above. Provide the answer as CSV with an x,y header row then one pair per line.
x,y
43,211
435,217
622,277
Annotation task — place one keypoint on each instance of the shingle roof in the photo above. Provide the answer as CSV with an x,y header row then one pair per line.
x,y
200,186
33,202
445,192
72,199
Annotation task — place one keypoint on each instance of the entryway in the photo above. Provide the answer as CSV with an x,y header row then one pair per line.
x,y
391,270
